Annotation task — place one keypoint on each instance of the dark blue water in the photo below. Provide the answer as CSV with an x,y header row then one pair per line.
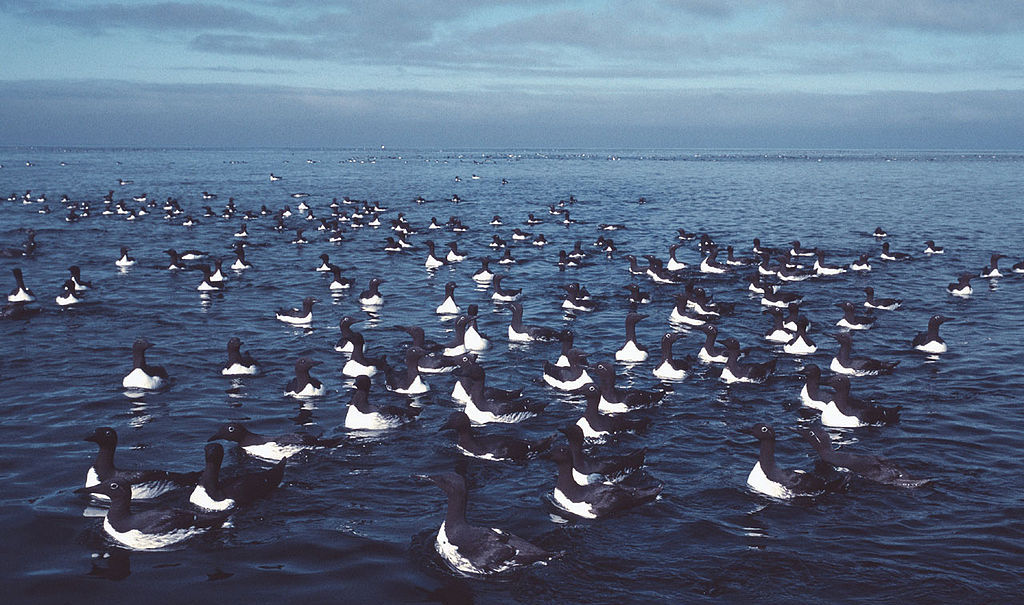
x,y
355,525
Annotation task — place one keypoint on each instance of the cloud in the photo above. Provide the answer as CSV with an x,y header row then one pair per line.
x,y
162,16
259,46
959,16
125,113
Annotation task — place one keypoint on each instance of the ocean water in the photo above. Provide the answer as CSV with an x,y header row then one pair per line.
x,y
357,523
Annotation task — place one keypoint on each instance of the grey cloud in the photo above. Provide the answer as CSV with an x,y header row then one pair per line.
x,y
188,16
123,113
960,16
260,46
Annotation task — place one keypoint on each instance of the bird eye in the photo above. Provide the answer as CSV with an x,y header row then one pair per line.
x,y
231,429
764,429
114,486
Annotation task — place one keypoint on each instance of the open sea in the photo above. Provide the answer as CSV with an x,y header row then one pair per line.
x,y
356,524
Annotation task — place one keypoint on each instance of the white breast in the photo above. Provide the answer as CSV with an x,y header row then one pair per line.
x,y
760,482
831,416
800,346
373,421
933,346
631,352
572,385
588,431
580,509
305,319
780,335
416,388
237,369
474,341
308,391
706,357
665,371
136,540
353,369
273,451
139,379
448,307
21,295
202,499
705,267
514,336
805,398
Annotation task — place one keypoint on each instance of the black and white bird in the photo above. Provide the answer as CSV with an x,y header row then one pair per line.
x,y
152,528
213,494
768,479
478,550
868,466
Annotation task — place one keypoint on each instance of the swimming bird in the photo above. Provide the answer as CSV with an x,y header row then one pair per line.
x,y
359,364
124,260
868,466
670,368
682,314
338,282
845,363
484,406
363,415
710,352
239,363
240,263
208,284
930,341
212,494
588,469
325,263
371,296
520,332
76,276
454,255
484,274
596,425
448,306
674,264
68,295
767,478
992,270
931,248
778,332
570,376
433,262
594,500
150,529
845,411
20,293
636,296
145,484
631,351
409,381
852,321
801,343
734,371
473,339
576,300
861,264
492,447
889,255
502,294
821,268
614,400
962,286
478,550
732,260
888,304
143,375
810,394
273,449
879,232
300,316
304,385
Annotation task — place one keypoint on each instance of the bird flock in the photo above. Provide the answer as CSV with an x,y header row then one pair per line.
x,y
592,480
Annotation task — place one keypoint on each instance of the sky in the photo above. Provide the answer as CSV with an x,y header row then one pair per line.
x,y
797,74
